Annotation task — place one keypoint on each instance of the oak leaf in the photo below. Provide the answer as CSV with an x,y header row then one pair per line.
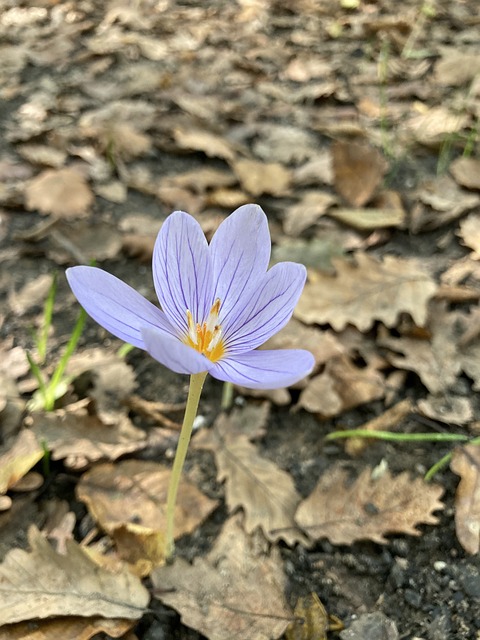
x,y
19,459
367,291
262,177
466,464
369,508
42,583
237,591
358,170
74,628
265,492
64,193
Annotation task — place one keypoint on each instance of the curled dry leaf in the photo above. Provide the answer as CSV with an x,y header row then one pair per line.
x,y
433,126
341,386
466,172
64,193
367,291
41,583
305,213
470,234
265,492
368,509
466,463
18,459
128,501
237,591
214,146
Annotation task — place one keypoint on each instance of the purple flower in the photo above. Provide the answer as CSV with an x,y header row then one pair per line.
x,y
219,302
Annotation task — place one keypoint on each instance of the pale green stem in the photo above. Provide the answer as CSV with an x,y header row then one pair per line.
x,y
194,393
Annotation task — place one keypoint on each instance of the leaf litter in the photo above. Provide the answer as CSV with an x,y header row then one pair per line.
x,y
367,158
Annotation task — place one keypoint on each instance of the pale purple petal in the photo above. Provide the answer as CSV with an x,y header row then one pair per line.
x,y
115,305
240,251
173,353
264,369
182,270
269,308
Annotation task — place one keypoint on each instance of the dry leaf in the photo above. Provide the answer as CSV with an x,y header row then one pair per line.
x,y
470,234
466,172
64,193
311,620
42,155
212,145
82,438
41,583
258,177
316,171
367,509
33,294
340,387
369,219
71,628
237,591
447,408
112,191
436,361
264,491
305,213
456,67
18,459
358,169
466,463
434,125
128,501
367,291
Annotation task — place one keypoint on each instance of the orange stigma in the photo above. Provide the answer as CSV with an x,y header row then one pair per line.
x,y
206,338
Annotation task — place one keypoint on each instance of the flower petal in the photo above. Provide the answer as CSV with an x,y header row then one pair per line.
x,y
182,270
173,353
269,369
240,251
269,308
115,305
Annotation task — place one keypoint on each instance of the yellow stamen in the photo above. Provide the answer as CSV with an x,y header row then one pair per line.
x,y
206,338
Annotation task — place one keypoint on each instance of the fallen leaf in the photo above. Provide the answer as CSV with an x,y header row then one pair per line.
x,y
447,408
42,155
265,492
368,509
311,620
41,583
434,125
466,172
114,191
306,212
316,171
33,294
456,67
17,460
64,193
236,591
369,219
72,628
81,438
444,195
469,232
358,170
214,146
259,177
341,386
367,291
466,464
128,501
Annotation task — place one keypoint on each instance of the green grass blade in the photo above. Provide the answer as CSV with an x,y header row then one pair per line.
x,y
42,336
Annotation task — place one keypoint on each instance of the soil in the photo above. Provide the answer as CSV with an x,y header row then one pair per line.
x,y
427,585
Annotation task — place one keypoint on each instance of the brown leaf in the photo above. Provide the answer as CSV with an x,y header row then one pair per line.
x,y
82,438
264,491
41,583
447,408
456,67
466,172
305,213
369,219
214,146
72,628
466,463
470,234
368,509
358,169
42,155
434,125
128,501
340,387
259,177
237,591
64,193
367,291
32,294
18,459
311,620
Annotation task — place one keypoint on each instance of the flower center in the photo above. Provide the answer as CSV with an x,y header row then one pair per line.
x,y
206,338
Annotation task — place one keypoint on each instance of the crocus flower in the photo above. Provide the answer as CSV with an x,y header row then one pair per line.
x,y
219,302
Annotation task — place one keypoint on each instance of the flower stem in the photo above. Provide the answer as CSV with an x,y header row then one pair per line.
x,y
194,393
